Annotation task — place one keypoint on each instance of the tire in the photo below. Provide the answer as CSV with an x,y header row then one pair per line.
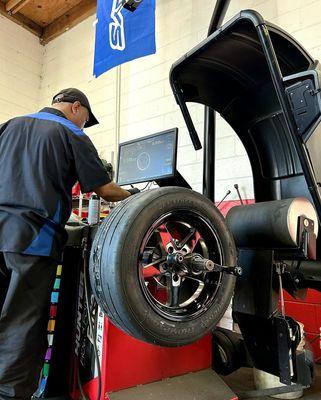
x,y
118,278
228,352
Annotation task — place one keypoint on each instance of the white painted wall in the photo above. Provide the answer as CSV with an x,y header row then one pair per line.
x,y
21,58
147,104
68,62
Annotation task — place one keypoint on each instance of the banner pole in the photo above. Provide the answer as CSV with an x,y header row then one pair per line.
x,y
118,105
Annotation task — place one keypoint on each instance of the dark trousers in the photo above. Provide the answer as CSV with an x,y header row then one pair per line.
x,y
25,286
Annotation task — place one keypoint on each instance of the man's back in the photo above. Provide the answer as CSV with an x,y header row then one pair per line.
x,y
40,161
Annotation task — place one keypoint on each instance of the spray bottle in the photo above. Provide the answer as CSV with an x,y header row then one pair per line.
x,y
94,210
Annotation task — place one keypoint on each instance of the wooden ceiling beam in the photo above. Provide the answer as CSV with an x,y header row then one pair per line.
x,y
13,6
73,17
22,21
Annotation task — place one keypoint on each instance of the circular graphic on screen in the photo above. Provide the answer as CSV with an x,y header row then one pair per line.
x,y
143,161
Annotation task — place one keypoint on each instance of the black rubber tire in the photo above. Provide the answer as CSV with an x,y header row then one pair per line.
x,y
227,352
114,275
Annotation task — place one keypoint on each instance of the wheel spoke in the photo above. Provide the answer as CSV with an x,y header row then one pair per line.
x,y
187,238
199,281
165,235
173,286
193,243
196,293
150,271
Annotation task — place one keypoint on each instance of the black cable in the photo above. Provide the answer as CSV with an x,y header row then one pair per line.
x,y
91,328
298,265
315,338
145,186
238,193
81,343
148,183
89,323
227,193
82,394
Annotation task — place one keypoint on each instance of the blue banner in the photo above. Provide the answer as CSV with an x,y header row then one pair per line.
x,y
122,35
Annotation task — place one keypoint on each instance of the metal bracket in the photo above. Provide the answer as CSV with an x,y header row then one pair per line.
x,y
270,392
237,271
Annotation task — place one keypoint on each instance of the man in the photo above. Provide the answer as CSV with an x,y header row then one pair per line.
x,y
41,157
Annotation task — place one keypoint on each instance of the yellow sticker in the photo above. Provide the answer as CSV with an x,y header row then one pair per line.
x,y
51,325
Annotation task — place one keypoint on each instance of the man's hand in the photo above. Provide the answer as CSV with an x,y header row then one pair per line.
x,y
112,192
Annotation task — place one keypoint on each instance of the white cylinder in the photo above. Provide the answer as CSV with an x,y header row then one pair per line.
x,y
264,380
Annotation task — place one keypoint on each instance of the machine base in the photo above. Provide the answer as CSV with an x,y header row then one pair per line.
x,y
202,385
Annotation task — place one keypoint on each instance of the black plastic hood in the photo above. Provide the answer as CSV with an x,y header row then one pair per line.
x,y
230,67
238,71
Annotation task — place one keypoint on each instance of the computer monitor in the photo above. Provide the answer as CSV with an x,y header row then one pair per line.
x,y
148,159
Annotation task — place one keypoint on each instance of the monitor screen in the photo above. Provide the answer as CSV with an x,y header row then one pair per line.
x,y
148,158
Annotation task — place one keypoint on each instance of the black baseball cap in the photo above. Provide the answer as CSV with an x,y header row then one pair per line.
x,y
71,95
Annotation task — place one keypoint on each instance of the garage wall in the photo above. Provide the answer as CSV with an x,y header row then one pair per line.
x,y
20,70
146,102
68,62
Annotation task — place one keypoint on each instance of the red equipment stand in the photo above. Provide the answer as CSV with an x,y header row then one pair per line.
x,y
125,362
128,363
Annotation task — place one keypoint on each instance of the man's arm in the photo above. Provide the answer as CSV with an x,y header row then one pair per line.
x,y
112,192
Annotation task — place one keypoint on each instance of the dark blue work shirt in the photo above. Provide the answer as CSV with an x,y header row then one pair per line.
x,y
41,157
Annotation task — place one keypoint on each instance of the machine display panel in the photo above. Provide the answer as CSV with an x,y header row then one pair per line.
x,y
148,158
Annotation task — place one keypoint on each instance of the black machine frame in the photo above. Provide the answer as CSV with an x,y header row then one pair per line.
x,y
255,101
262,29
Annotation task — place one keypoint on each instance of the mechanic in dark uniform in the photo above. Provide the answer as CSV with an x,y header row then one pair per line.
x,y
41,157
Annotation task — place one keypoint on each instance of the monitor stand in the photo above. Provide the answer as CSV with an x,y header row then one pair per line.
x,y
176,180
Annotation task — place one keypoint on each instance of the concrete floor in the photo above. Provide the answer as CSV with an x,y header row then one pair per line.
x,y
242,380
202,385
205,385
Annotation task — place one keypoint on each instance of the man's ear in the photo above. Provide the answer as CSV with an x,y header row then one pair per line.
x,y
75,107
